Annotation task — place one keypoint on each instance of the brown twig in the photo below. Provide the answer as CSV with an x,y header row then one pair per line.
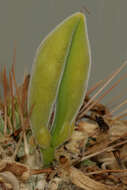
x,y
36,171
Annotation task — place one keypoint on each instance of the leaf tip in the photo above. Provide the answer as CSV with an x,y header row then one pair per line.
x,y
79,15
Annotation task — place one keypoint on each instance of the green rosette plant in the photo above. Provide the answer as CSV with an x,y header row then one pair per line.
x,y
58,83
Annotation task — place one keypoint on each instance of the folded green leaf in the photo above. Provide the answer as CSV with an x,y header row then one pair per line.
x,y
46,76
59,79
73,84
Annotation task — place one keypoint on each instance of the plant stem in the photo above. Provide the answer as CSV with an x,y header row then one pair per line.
x,y
48,156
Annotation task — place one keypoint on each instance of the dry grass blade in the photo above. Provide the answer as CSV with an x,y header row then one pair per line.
x,y
107,92
115,99
24,92
98,84
18,98
12,100
89,105
16,87
94,87
5,87
120,115
14,55
118,107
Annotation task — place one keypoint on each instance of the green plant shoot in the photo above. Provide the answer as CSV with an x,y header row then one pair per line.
x,y
59,79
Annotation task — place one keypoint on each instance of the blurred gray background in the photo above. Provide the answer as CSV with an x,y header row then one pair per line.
x,y
26,22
